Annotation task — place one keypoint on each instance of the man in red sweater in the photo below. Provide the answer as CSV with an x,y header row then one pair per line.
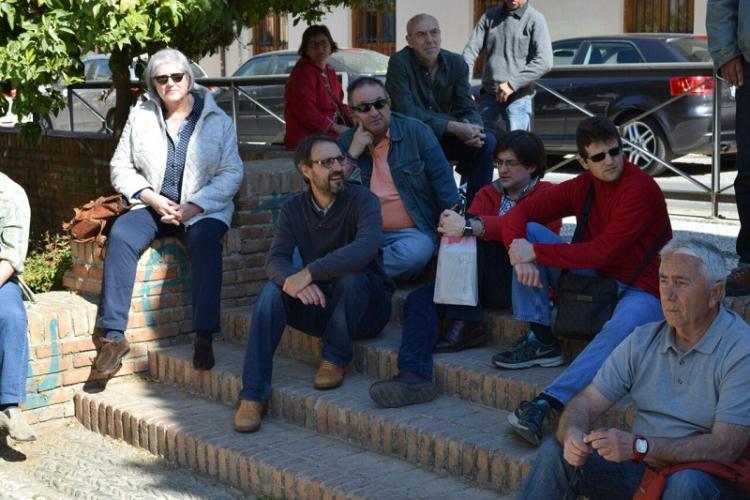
x,y
628,218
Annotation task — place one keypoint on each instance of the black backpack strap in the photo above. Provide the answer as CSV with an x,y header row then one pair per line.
x,y
650,255
587,202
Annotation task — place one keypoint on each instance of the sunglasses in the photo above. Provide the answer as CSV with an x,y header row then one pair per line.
x,y
615,151
367,106
506,163
163,79
328,163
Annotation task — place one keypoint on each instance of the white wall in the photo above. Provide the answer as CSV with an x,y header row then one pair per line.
x,y
572,18
339,23
456,18
699,18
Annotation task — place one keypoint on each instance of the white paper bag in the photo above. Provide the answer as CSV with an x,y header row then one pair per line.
x,y
456,280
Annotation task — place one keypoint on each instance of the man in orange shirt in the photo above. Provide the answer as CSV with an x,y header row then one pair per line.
x,y
401,161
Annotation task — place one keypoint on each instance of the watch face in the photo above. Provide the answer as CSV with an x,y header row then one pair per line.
x,y
641,445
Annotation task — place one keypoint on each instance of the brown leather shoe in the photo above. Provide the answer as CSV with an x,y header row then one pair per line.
x,y
329,376
110,356
738,282
460,335
248,416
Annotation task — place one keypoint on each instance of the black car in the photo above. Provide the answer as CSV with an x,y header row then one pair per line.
x,y
681,127
257,125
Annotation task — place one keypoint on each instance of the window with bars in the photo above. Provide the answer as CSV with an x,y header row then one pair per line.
x,y
374,29
659,16
271,33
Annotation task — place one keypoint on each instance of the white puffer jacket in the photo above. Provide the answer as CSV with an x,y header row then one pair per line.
x,y
213,168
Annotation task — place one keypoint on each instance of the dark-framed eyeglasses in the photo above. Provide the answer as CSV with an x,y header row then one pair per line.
x,y
328,163
365,107
613,152
499,162
163,79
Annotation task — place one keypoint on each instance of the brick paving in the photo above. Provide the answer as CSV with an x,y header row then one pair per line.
x,y
68,461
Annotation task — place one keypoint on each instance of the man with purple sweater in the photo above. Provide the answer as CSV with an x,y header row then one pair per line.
x,y
341,293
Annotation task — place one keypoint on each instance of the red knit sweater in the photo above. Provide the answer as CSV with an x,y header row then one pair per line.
x,y
627,216
308,107
486,206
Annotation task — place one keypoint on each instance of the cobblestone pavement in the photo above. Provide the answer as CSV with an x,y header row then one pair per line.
x,y
67,461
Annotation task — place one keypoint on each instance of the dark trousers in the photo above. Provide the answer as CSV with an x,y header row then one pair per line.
x,y
474,164
742,181
358,306
422,316
131,234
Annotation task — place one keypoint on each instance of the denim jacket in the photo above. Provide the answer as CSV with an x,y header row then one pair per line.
x,y
728,29
422,175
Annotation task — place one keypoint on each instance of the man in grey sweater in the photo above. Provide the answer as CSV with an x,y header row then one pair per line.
x,y
517,51
341,293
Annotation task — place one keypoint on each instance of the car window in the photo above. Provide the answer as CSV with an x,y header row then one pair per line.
x,y
255,66
361,62
694,49
99,71
283,63
612,53
197,70
564,52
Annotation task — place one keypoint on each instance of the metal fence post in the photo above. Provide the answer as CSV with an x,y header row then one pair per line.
x,y
716,159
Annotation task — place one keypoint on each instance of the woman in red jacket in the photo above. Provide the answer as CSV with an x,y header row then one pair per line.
x,y
520,160
313,98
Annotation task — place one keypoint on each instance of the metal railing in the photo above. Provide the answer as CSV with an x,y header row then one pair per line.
x,y
714,194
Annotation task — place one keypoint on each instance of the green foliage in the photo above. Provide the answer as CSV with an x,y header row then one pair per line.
x,y
48,259
42,41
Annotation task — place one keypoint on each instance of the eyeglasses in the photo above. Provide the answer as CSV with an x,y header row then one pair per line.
x,y
615,151
367,106
423,34
328,163
163,79
506,163
322,44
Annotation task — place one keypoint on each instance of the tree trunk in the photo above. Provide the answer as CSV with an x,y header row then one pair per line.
x,y
119,63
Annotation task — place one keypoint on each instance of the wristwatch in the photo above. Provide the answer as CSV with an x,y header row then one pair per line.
x,y
640,448
468,229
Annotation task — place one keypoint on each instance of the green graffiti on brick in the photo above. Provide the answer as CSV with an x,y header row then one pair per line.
x,y
51,378
149,301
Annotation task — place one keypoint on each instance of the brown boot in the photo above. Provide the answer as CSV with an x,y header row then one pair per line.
x,y
110,357
329,376
248,416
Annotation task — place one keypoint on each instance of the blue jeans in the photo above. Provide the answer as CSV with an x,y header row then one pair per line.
x,y
406,252
474,164
552,477
131,234
635,308
419,333
742,181
508,116
14,346
358,306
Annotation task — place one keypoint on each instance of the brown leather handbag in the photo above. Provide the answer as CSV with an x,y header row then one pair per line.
x,y
93,220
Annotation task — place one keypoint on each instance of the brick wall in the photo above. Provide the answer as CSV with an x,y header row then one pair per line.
x,y
66,170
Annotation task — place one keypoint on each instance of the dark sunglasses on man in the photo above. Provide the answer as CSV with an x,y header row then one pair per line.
x,y
163,79
612,154
378,104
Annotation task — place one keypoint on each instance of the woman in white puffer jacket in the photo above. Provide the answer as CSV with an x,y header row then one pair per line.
x,y
178,163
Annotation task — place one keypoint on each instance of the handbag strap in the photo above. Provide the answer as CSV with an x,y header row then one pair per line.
x,y
339,105
578,234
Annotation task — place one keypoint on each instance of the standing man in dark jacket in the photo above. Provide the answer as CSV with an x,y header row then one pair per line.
x,y
432,85
341,293
517,51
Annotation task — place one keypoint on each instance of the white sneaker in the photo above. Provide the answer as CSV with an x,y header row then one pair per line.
x,y
16,425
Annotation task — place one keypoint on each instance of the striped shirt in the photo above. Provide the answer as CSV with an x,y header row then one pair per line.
x,y
15,219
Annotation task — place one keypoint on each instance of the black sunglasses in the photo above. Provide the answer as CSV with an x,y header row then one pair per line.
x,y
615,151
163,79
367,106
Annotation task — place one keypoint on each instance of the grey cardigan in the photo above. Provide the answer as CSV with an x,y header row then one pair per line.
x,y
213,168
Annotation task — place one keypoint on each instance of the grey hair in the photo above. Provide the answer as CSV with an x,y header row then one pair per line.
x,y
173,56
713,267
419,17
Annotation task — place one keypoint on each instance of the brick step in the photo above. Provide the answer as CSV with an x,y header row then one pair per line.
x,y
467,375
282,460
448,436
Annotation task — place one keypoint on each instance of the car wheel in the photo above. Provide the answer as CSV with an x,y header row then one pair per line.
x,y
110,121
647,134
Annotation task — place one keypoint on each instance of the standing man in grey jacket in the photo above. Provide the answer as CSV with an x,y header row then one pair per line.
x,y
517,51
728,29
